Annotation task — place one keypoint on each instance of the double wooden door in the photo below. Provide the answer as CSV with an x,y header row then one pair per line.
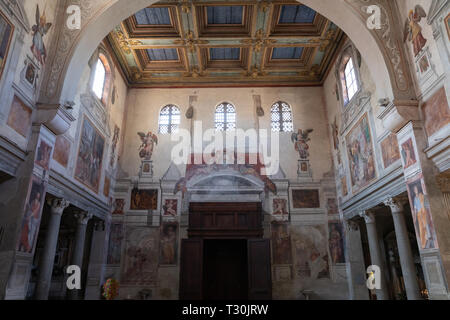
x,y
217,270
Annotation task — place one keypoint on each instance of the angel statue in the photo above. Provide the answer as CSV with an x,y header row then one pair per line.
x,y
148,142
40,29
413,31
300,140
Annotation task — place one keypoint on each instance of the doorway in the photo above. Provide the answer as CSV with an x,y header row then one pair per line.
x,y
225,270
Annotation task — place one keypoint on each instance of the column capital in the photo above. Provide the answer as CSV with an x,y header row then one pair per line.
x,y
351,225
99,225
396,204
368,215
83,217
58,205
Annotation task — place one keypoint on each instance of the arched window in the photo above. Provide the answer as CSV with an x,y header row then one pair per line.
x,y
169,119
281,116
99,79
102,79
225,118
351,83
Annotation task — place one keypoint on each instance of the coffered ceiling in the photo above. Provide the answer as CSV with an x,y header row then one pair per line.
x,y
225,43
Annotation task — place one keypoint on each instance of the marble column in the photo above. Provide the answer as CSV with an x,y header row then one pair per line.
x,y
78,251
57,207
375,252
404,249
356,271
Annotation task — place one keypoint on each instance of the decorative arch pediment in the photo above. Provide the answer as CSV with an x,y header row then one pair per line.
x,y
15,9
226,181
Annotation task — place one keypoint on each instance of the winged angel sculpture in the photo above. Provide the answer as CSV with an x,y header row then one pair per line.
x,y
413,31
40,29
148,142
300,141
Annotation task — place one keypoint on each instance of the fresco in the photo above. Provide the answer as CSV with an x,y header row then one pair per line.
x,y
408,153
336,242
43,155
361,155
413,30
344,186
119,205
170,207
106,186
115,141
310,252
246,169
332,206
280,207
149,141
30,73
436,112
6,32
90,156
62,151
140,265
144,199
420,208
32,216
40,29
281,243
303,199
390,150
115,243
169,243
20,117
300,140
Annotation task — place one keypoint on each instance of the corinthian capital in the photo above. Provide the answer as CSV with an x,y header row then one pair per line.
x,y
395,204
83,217
58,205
368,215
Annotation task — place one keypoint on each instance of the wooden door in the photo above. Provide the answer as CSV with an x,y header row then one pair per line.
x,y
259,270
191,269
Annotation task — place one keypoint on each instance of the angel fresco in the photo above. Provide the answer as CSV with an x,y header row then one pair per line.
x,y
148,142
300,141
40,29
413,31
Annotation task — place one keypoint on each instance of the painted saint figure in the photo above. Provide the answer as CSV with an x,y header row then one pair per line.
x,y
421,215
148,142
413,31
335,240
168,244
40,29
31,221
300,141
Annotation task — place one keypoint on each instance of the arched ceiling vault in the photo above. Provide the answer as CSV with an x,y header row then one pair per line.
x,y
381,49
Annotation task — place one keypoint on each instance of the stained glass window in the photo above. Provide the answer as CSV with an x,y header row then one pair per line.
x,y
169,119
281,117
225,118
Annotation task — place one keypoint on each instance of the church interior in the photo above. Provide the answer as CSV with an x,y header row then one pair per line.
x,y
225,150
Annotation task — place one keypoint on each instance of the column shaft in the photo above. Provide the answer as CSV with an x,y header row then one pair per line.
x,y
404,251
375,254
48,256
78,251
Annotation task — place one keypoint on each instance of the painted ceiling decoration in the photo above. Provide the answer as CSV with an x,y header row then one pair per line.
x,y
225,43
